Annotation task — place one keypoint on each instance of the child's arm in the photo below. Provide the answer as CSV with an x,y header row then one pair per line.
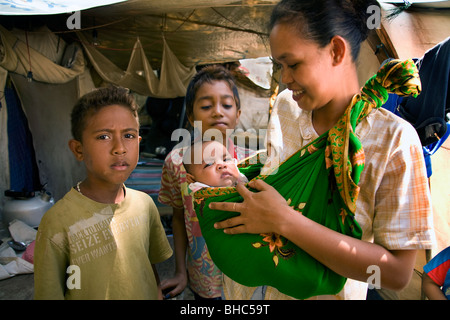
x,y
431,288
178,283
158,282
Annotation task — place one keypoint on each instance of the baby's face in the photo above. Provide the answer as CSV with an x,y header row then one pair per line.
x,y
218,168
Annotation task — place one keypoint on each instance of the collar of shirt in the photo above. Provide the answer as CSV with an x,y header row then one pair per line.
x,y
308,133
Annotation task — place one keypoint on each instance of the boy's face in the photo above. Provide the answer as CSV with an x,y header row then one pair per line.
x,y
217,168
110,145
215,107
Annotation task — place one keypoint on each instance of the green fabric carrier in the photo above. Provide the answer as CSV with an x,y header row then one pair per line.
x,y
320,181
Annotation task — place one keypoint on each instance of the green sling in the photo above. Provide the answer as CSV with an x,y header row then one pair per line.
x,y
319,181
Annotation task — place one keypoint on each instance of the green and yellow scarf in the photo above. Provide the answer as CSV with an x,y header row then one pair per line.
x,y
319,181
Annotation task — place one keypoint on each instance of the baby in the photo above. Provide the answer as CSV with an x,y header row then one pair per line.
x,y
216,169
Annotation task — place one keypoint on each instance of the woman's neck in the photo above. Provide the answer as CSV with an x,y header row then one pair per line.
x,y
325,118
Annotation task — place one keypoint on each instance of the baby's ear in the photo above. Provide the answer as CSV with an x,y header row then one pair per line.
x,y
190,178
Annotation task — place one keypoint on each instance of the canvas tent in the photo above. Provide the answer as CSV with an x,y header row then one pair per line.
x,y
132,49
154,47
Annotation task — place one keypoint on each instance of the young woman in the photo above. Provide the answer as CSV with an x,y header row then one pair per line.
x,y
317,45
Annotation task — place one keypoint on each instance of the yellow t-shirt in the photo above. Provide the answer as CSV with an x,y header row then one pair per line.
x,y
90,250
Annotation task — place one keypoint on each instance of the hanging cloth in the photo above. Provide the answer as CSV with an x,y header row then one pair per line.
x,y
18,56
319,181
172,83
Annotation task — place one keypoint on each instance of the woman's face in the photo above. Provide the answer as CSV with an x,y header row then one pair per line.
x,y
306,68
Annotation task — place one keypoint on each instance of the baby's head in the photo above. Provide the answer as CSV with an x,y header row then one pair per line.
x,y
217,167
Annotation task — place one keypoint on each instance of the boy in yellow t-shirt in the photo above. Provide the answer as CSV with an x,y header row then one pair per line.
x,y
101,240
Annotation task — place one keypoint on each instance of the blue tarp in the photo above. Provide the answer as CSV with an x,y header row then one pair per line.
x,y
24,174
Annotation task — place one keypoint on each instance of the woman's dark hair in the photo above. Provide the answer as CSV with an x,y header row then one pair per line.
x,y
209,74
321,20
93,101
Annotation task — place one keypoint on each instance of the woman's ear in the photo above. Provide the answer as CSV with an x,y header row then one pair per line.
x,y
339,48
77,149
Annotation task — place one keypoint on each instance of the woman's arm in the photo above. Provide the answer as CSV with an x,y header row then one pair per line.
x,y
267,211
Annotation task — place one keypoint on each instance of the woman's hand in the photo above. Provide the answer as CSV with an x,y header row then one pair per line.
x,y
261,212
266,211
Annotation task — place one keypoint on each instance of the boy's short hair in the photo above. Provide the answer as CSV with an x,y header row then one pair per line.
x,y
93,101
209,74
